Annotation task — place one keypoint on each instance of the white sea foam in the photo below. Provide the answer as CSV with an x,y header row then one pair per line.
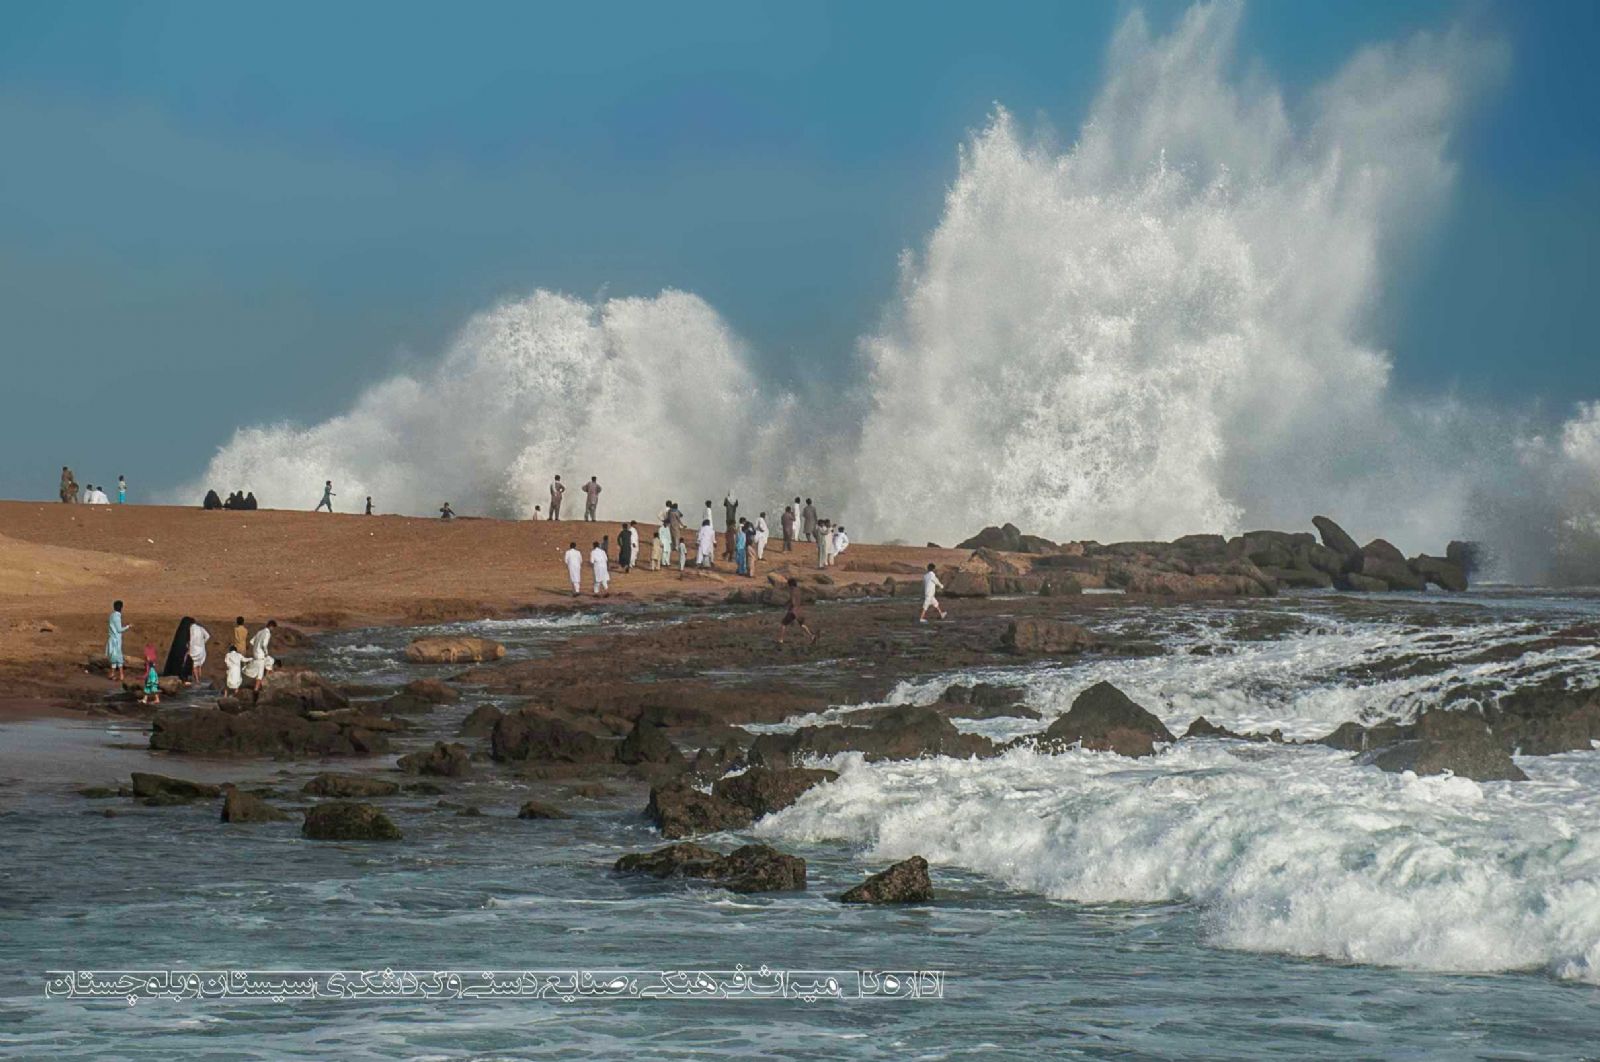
x,y
1164,327
1282,849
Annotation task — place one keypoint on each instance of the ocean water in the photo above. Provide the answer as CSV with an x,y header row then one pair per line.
x,y
1223,900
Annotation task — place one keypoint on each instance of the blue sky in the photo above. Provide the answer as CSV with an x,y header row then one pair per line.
x,y
219,214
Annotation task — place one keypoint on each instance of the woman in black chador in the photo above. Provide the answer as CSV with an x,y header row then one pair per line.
x,y
178,663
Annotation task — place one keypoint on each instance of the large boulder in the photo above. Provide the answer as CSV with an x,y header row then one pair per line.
x,y
753,868
967,584
1334,537
648,743
1102,717
1547,718
905,882
350,785
1456,742
535,809
1028,635
158,789
764,790
275,732
301,691
239,806
680,810
1439,571
903,732
1363,584
538,737
1007,538
454,650
480,722
441,761
1300,578
348,822
1395,575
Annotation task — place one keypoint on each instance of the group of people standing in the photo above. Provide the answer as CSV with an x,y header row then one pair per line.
x,y
248,655
90,494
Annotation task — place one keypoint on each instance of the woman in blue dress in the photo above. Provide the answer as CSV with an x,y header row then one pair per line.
x,y
741,546
114,641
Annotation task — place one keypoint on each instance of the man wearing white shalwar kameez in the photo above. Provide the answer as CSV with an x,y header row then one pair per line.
x,y
602,571
198,637
574,561
706,544
762,534
260,663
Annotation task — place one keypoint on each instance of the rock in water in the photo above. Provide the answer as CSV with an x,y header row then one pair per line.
x,y
648,743
529,734
905,882
348,822
1334,537
901,733
158,789
443,761
461,650
1439,571
1029,635
480,722
680,810
239,806
1547,718
763,790
1454,741
753,868
1103,717
534,809
350,785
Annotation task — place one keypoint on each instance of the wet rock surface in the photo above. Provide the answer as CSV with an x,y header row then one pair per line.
x,y
752,868
453,650
905,882
239,806
1104,718
348,822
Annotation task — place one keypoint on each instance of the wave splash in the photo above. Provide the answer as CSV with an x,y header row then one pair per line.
x,y
1161,329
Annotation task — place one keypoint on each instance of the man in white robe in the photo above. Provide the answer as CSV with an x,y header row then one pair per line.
x,y
930,587
706,543
198,637
574,562
233,664
260,663
762,534
602,570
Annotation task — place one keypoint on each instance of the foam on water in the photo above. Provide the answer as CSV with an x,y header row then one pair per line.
x,y
1283,849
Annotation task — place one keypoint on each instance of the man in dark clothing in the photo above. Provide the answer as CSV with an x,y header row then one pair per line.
x,y
791,616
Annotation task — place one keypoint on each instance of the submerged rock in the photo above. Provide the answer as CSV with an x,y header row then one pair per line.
x,y
276,731
443,761
536,736
350,785
904,732
348,822
1203,727
1547,718
159,789
534,809
1034,635
454,650
480,722
1103,717
680,810
239,806
648,743
753,868
905,882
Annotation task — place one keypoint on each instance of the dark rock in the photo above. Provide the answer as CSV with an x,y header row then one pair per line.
x,y
160,788
1454,741
1353,737
1397,575
967,584
648,743
905,882
350,785
348,822
480,721
1103,717
1203,727
1383,550
764,790
1317,557
454,650
1546,718
269,731
431,689
534,809
1334,537
984,695
443,761
900,733
1007,538
471,811
753,868
100,792
680,810
1364,584
715,762
1467,556
238,806
301,691
537,737
1300,578
1440,572
1034,635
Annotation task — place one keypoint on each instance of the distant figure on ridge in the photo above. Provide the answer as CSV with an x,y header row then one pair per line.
x,y
445,512
591,490
69,486
369,505
327,497
557,489
122,491
211,501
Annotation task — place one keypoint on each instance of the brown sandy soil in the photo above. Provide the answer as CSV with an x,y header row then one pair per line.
x,y
61,566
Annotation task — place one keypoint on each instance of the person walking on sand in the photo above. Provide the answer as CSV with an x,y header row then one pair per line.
x,y
114,641
122,491
574,562
683,556
762,534
930,588
788,528
602,574
808,520
706,543
592,490
198,637
260,662
791,615
557,489
327,497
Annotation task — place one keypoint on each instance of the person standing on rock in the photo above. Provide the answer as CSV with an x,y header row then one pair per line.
x,y
930,588
730,524
791,615
592,490
574,561
819,532
260,662
706,543
602,574
788,528
625,548
557,489
233,669
741,550
808,520
198,637
241,636
663,544
114,641
122,491
762,534
327,498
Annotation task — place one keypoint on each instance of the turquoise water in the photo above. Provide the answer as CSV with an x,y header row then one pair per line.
x,y
1178,964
